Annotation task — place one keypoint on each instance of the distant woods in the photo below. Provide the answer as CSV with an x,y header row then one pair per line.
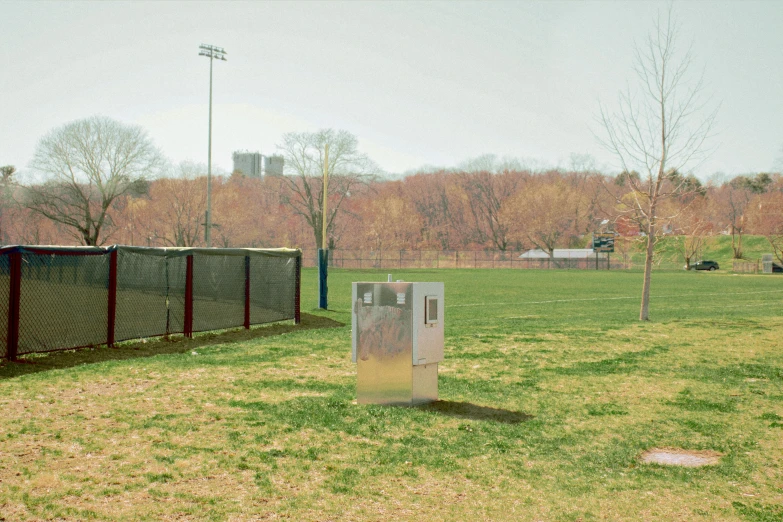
x,y
438,210
102,182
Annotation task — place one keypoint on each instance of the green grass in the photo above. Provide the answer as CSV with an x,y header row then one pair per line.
x,y
753,247
715,248
550,391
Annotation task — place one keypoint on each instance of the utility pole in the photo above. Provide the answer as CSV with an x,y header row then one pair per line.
x,y
213,53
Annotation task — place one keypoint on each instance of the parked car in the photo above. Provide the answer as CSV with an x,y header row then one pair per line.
x,y
777,267
704,265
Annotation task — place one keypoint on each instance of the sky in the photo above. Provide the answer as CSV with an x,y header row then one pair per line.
x,y
418,83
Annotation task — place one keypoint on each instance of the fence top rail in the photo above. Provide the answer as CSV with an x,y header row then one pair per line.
x,y
150,251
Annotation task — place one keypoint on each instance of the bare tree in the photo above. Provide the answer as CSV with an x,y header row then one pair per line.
x,y
690,246
591,210
582,162
490,163
6,186
304,165
659,129
487,193
542,215
387,220
181,205
734,199
90,164
441,204
765,215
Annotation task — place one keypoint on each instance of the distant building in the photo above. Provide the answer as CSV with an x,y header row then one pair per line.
x,y
248,163
256,165
273,165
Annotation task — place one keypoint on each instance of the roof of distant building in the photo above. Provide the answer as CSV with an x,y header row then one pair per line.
x,y
560,253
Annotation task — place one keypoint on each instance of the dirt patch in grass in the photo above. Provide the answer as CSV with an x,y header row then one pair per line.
x,y
680,457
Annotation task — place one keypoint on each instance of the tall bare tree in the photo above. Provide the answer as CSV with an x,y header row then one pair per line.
x,y
658,129
487,193
90,164
438,200
182,203
304,166
6,187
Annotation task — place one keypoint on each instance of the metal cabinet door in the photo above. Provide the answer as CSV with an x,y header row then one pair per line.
x,y
383,342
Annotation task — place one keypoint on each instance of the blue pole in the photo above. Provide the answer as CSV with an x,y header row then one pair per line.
x,y
323,289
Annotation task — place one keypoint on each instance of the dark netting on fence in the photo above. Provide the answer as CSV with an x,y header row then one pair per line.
x,y
177,279
142,294
267,292
5,289
62,301
218,292
55,298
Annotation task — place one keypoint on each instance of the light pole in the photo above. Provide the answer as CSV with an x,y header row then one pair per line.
x,y
213,53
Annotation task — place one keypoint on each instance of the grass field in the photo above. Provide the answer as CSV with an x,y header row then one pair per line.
x,y
550,392
715,248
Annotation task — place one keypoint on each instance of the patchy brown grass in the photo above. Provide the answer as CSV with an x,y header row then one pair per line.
x,y
539,419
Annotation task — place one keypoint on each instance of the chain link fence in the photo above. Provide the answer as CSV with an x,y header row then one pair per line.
x,y
745,267
407,259
62,301
426,259
5,292
59,298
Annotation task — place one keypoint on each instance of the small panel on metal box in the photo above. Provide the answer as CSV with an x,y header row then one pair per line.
x,y
431,309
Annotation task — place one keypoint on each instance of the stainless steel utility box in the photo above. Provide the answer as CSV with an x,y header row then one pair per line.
x,y
397,331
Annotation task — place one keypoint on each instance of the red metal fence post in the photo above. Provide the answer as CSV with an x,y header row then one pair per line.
x,y
14,296
247,292
112,297
297,291
188,326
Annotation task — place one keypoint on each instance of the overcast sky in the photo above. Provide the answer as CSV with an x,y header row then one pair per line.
x,y
419,83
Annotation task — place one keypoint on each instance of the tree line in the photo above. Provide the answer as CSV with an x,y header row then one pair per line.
x,y
486,205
